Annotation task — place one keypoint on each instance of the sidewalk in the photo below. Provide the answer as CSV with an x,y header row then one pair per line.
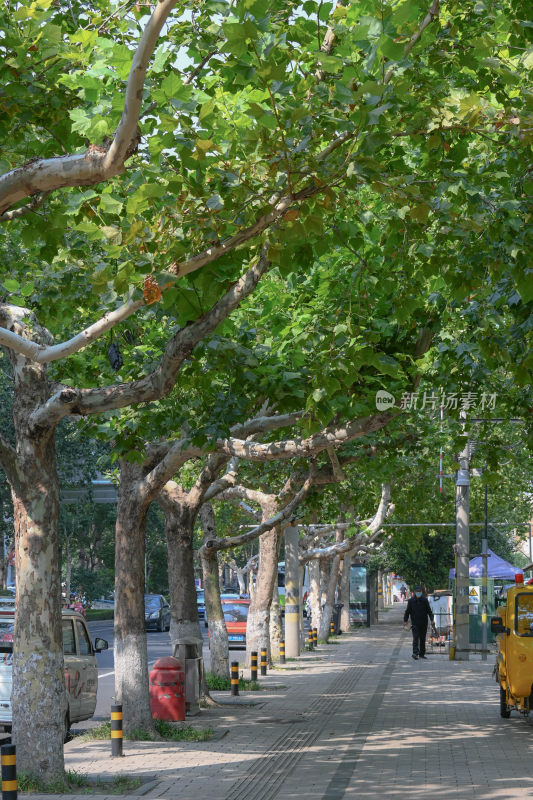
x,y
357,719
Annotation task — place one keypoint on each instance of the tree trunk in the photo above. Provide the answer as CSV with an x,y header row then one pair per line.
x,y
241,578
345,593
275,626
314,584
39,697
131,660
218,635
327,613
180,517
324,580
380,581
257,629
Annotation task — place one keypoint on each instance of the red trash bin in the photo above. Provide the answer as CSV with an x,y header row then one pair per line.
x,y
167,689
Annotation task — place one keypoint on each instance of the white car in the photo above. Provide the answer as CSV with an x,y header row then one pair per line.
x,y
81,668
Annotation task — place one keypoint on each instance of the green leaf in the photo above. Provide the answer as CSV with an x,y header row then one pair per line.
x,y
122,58
215,202
110,204
420,212
28,289
391,49
268,121
11,284
112,234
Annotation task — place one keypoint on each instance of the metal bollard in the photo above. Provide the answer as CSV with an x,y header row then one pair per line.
x,y
116,730
315,637
282,652
332,628
235,678
310,639
253,667
263,661
9,772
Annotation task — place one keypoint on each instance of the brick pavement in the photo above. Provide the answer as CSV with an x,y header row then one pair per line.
x,y
358,719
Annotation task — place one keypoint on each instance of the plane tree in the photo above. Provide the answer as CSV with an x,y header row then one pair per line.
x,y
127,180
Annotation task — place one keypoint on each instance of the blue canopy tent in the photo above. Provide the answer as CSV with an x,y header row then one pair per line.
x,y
498,571
497,567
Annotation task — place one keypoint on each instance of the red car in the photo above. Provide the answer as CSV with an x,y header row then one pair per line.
x,y
236,616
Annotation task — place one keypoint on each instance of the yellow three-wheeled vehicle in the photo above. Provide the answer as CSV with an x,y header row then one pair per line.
x,y
514,661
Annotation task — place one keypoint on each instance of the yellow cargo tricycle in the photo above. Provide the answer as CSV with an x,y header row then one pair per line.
x,y
514,661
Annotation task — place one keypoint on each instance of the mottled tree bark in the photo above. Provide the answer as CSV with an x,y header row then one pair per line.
x,y
345,593
131,660
314,581
180,516
218,635
38,696
331,586
257,629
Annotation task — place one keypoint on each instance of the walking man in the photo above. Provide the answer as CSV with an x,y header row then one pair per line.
x,y
419,610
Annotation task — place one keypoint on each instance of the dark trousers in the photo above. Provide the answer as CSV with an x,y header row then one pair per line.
x,y
419,639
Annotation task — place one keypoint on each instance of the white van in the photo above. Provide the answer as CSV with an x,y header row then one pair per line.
x,y
81,668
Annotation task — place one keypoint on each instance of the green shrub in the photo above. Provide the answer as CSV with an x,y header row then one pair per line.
x,y
100,613
76,783
217,684
170,731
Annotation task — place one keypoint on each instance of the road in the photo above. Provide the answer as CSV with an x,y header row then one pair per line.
x,y
158,646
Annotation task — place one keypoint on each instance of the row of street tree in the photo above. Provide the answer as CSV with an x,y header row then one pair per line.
x,y
225,230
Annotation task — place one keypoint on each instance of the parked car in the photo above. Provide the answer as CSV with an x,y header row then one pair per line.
x,y
81,668
236,616
7,606
156,612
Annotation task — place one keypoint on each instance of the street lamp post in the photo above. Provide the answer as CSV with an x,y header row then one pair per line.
x,y
462,540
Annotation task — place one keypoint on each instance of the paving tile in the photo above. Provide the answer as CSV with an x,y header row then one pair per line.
x,y
361,720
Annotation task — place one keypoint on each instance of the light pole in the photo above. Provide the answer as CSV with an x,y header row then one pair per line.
x,y
462,541
292,593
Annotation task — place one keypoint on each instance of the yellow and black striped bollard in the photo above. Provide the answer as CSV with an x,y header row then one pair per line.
x,y
282,652
253,667
332,628
116,730
315,637
263,661
9,772
310,639
235,678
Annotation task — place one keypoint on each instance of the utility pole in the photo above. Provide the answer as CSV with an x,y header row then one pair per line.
x,y
462,546
292,593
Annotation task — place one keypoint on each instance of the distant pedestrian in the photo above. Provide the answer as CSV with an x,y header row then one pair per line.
x,y
403,592
419,610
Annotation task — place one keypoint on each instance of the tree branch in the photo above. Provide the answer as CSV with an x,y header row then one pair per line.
x,y
290,448
285,513
29,208
348,545
432,14
337,469
242,493
96,164
161,381
43,354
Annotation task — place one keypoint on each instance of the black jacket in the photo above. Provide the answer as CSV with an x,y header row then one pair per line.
x,y
419,610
